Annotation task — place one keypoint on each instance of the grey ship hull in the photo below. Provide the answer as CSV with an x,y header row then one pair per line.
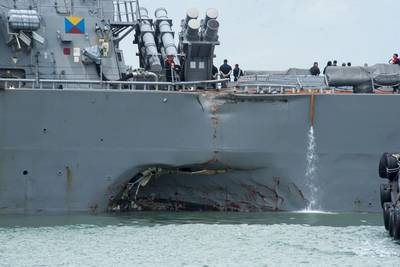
x,y
72,150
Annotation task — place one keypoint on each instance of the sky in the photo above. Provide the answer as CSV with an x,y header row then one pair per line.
x,y
280,34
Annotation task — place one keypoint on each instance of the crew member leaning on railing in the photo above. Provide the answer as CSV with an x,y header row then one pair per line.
x,y
171,69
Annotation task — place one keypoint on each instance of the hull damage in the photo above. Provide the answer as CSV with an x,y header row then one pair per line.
x,y
70,150
220,190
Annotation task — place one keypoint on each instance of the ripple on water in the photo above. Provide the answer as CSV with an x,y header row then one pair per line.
x,y
197,245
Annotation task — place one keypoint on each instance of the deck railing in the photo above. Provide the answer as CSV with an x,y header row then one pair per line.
x,y
241,87
9,83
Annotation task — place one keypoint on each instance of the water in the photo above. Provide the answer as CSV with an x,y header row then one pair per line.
x,y
311,176
197,239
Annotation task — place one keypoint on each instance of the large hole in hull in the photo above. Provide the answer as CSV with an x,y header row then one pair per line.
x,y
207,189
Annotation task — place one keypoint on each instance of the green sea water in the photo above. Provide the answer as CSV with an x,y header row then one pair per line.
x,y
197,239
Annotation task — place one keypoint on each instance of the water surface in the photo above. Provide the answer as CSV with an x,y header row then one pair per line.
x,y
197,239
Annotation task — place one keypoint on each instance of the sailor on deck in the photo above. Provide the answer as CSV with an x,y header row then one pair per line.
x,y
315,71
237,72
214,75
395,59
329,64
225,70
170,68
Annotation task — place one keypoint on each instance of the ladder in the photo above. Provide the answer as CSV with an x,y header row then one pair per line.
x,y
125,16
126,12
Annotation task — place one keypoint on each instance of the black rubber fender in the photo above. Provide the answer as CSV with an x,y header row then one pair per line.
x,y
386,215
386,194
391,221
388,167
382,166
396,224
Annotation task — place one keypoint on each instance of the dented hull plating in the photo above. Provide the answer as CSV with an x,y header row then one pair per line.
x,y
73,150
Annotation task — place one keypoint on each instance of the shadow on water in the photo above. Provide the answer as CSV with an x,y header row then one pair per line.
x,y
166,218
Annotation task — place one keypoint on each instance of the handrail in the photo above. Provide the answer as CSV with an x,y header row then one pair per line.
x,y
103,82
202,82
17,80
17,83
21,82
106,84
131,82
268,85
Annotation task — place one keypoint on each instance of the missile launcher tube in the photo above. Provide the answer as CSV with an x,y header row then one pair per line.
x,y
192,13
192,30
211,31
167,37
211,14
197,43
150,51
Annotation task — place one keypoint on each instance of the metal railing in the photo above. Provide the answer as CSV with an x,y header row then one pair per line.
x,y
299,81
282,83
9,83
279,88
251,87
265,88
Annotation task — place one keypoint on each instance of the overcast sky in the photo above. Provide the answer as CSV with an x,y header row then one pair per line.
x,y
279,34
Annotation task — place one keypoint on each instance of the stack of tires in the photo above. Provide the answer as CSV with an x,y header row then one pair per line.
x,y
389,169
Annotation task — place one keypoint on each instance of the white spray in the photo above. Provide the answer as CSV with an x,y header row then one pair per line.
x,y
311,171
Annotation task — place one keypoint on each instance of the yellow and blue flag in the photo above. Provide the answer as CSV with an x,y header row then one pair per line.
x,y
74,25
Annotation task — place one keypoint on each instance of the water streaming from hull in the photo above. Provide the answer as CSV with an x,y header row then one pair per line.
x,y
311,175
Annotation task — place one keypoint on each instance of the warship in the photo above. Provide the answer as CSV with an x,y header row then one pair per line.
x,y
83,132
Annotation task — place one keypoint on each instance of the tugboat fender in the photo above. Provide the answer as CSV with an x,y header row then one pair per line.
x,y
386,194
388,167
391,221
396,223
386,214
